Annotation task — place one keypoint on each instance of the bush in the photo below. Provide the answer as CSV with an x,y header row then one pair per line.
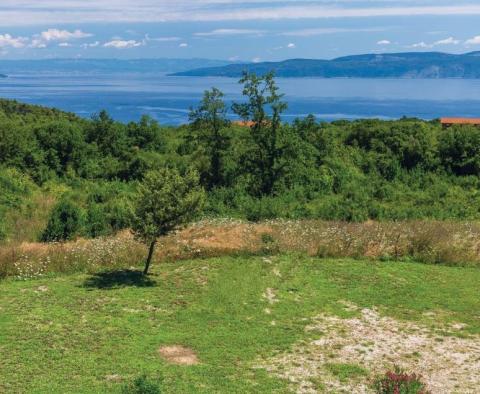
x,y
142,385
399,382
269,244
119,214
64,223
96,223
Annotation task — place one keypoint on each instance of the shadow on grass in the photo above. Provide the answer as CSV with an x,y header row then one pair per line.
x,y
117,279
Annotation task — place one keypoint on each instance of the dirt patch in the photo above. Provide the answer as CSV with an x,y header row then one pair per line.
x,y
177,354
376,343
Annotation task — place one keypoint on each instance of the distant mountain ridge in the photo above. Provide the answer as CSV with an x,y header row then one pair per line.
x,y
433,65
160,65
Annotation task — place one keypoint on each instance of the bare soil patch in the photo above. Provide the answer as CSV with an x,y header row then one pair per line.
x,y
447,363
178,354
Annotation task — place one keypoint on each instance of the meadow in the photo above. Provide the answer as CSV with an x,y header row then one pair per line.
x,y
244,307
279,323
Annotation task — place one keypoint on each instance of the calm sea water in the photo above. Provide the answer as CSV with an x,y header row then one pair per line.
x,y
168,99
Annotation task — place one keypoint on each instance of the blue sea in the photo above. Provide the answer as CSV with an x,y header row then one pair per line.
x,y
168,99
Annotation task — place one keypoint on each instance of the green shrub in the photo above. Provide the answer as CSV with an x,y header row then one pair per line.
x,y
142,385
96,221
64,223
269,244
119,213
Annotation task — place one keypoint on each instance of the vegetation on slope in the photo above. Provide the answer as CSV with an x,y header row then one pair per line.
x,y
352,171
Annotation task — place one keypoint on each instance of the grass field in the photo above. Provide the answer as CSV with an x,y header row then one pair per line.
x,y
255,324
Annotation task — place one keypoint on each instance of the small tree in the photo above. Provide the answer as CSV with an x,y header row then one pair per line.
x,y
166,202
208,122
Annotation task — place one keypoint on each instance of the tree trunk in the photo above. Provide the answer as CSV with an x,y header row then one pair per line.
x,y
149,258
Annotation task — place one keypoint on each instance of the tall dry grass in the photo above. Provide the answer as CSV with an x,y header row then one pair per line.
x,y
449,243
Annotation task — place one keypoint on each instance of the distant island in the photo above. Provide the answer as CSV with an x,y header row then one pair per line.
x,y
3,76
433,65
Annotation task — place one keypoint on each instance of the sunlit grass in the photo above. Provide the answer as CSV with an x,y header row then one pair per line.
x,y
93,333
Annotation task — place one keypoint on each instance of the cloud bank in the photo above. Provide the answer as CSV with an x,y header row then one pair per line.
x,y
28,12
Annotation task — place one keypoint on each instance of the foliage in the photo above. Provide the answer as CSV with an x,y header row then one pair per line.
x,y
64,223
262,169
267,158
399,382
208,123
166,201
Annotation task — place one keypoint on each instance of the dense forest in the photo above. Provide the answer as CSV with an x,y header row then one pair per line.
x,y
57,167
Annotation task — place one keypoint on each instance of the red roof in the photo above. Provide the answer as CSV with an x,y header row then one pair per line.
x,y
247,123
474,121
244,123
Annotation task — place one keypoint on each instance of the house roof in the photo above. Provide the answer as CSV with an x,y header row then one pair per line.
x,y
473,121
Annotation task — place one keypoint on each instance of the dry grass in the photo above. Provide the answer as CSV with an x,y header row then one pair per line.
x,y
29,222
431,242
29,260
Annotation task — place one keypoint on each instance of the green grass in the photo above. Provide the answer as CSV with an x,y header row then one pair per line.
x,y
345,372
68,338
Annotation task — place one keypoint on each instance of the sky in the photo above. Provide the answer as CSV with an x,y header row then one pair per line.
x,y
235,30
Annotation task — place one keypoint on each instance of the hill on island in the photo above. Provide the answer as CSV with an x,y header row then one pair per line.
x,y
433,65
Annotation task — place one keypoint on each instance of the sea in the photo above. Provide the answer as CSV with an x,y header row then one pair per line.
x,y
168,99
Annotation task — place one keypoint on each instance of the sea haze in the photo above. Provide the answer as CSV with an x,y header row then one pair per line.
x,y
128,95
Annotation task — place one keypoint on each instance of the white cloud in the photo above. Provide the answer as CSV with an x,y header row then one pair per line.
x,y
447,41
256,60
123,44
229,32
6,40
384,42
62,35
29,12
161,39
38,43
91,44
233,58
183,45
421,44
65,44
291,45
55,35
473,41
327,30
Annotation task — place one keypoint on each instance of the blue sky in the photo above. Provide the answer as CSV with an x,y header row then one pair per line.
x,y
252,30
